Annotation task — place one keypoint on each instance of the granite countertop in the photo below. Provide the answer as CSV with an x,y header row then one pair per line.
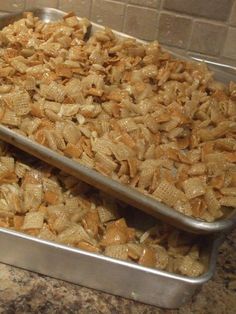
x,y
26,292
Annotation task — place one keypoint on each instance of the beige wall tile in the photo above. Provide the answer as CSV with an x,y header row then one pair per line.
x,y
141,22
207,38
147,3
230,44
40,3
176,25
108,13
213,9
81,7
174,30
232,19
12,5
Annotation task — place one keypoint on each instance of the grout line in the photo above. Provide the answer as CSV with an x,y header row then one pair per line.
x,y
141,7
190,36
204,19
161,5
157,26
124,17
227,23
223,44
158,21
90,9
229,16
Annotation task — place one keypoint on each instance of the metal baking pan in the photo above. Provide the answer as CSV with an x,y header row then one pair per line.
x,y
99,272
116,189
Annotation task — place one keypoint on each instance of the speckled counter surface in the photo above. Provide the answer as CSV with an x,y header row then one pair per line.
x,y
25,292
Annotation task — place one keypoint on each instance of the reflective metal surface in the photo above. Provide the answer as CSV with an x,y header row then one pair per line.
x,y
116,189
125,279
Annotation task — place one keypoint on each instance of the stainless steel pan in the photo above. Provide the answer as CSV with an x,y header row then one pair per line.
x,y
121,278
118,190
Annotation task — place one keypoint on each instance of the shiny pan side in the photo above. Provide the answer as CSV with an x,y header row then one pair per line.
x,y
116,189
103,273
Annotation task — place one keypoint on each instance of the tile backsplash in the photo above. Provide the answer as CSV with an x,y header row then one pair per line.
x,y
206,28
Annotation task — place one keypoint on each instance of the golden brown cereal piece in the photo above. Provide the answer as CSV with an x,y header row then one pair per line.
x,y
53,91
46,234
134,251
168,193
193,187
69,110
231,157
20,169
132,162
5,89
230,191
21,103
7,71
18,222
72,21
107,213
63,70
122,152
114,235
8,162
60,222
119,251
161,258
10,118
229,201
213,205
87,247
4,223
33,196
33,220
51,197
86,160
148,258
90,222
106,162
19,66
32,232
197,206
190,267
73,151
127,125
117,233
37,109
217,182
184,207
101,145
71,134
197,169
145,178
73,235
